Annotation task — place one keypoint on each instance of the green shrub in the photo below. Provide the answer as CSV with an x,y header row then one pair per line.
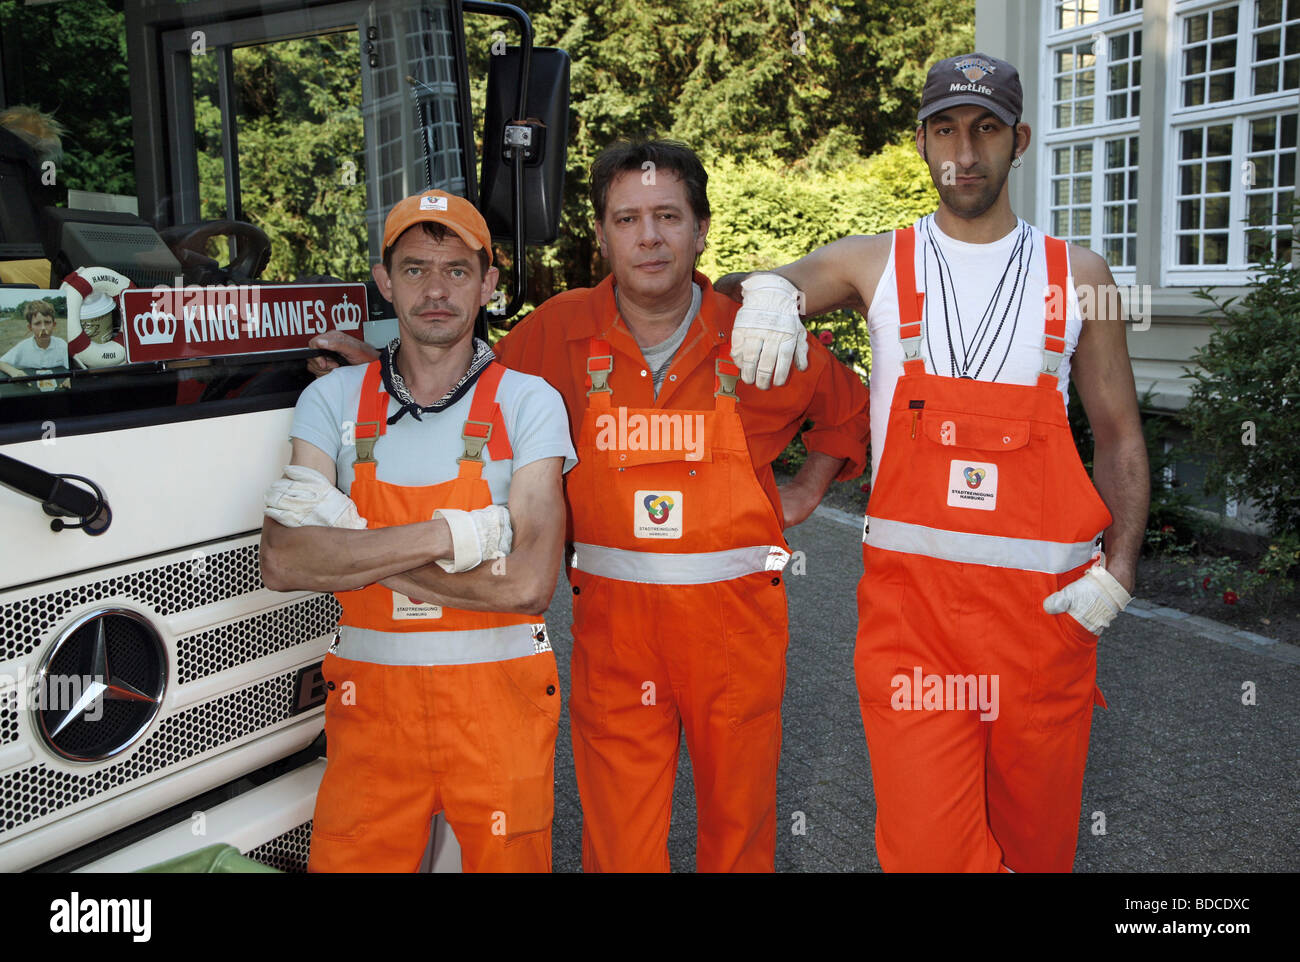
x,y
766,214
1244,412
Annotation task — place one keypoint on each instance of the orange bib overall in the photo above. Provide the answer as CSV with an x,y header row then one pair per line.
x,y
977,704
432,708
679,621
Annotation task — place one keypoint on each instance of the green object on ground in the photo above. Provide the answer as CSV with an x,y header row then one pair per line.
x,y
220,858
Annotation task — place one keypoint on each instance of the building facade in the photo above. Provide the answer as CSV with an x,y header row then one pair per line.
x,y
1164,138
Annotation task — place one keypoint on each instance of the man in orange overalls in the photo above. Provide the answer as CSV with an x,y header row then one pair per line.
x,y
982,595
443,692
676,522
675,519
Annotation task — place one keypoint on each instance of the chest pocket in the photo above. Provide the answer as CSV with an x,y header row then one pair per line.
x,y
975,431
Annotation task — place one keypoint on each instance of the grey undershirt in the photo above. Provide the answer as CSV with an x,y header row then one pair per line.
x,y
660,357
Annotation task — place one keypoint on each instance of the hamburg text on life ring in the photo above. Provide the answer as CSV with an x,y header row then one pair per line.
x,y
76,287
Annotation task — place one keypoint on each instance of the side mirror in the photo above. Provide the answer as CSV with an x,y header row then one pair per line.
x,y
547,114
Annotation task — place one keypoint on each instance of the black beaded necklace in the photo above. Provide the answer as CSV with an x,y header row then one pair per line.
x,y
1020,255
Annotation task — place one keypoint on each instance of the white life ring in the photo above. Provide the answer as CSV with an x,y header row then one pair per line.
x,y
76,287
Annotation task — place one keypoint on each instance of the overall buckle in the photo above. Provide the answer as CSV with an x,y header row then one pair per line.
x,y
366,446
600,377
726,379
473,443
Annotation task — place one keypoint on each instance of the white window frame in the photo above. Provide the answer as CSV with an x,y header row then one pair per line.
x,y
1094,134
1238,112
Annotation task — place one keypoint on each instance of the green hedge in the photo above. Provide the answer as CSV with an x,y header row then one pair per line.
x,y
766,214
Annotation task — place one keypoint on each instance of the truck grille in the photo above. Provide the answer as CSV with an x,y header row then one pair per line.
x,y
287,852
200,580
37,790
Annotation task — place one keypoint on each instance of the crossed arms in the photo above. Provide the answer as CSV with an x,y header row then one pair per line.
x,y
401,557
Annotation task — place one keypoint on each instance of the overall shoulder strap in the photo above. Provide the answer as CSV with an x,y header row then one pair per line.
x,y
911,302
1055,299
485,424
372,413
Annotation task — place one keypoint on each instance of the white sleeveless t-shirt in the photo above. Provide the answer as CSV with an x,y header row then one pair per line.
x,y
983,317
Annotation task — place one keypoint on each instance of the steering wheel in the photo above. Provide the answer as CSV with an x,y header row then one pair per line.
x,y
189,242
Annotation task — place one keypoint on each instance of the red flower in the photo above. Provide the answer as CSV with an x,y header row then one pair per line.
x,y
1229,597
1206,583
866,489
1261,571
1167,529
826,337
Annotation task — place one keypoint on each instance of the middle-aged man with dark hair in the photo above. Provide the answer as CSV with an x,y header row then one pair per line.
x,y
983,594
675,519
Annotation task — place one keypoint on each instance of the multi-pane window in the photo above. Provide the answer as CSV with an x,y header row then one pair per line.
x,y
1209,56
1072,193
1232,145
1204,194
1075,85
1119,202
1269,178
1276,42
1095,60
1124,74
1075,13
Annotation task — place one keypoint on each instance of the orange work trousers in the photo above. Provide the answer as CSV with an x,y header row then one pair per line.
x,y
406,742
956,792
650,661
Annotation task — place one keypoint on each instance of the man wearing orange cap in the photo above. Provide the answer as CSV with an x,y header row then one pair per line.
x,y
676,520
443,692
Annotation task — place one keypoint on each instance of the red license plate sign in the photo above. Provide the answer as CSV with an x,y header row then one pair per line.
x,y
171,323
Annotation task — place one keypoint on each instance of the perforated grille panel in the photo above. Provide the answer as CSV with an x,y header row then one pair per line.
x,y
27,794
225,646
287,852
8,717
179,586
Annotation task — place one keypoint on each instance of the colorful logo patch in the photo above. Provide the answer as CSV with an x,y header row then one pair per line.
x,y
657,514
974,68
657,507
973,485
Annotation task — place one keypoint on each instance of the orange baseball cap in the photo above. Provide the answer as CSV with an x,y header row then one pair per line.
x,y
455,213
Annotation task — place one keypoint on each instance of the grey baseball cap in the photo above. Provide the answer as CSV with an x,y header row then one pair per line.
x,y
973,78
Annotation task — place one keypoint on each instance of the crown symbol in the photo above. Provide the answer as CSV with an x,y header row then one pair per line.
x,y
155,326
346,316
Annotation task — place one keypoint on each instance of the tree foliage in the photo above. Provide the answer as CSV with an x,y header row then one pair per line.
x,y
69,60
766,81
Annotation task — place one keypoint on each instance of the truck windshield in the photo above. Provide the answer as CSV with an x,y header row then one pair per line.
x,y
129,129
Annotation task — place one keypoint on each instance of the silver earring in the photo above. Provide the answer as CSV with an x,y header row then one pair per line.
x,y
1016,162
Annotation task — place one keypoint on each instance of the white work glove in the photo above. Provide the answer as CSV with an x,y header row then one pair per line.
x,y
768,332
1093,600
305,497
476,536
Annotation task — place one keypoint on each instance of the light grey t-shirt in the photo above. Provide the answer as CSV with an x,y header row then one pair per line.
x,y
26,354
659,358
424,452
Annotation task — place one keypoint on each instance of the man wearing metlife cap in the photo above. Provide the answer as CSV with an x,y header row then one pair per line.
x,y
983,595
442,687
